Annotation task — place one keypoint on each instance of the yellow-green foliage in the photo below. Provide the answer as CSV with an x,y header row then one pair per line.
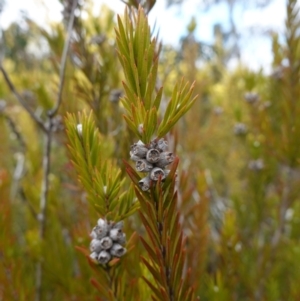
x,y
231,227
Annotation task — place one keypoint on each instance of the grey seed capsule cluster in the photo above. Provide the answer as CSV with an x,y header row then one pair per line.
x,y
251,97
108,241
151,159
240,129
256,165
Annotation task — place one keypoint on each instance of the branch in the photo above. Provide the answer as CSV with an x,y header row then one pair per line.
x,y
284,204
43,205
21,100
14,129
52,112
46,154
30,206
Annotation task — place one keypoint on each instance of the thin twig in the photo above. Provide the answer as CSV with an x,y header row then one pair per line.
x,y
279,231
43,206
52,112
47,152
283,208
19,170
30,206
18,173
14,129
45,183
21,100
110,280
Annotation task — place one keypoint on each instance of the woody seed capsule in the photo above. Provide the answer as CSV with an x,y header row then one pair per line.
x,y
162,144
117,250
99,232
256,165
115,95
95,246
139,150
153,144
145,183
143,165
94,255
251,97
240,129
104,257
167,171
152,155
157,173
106,243
165,159
101,223
122,240
118,225
115,234
134,157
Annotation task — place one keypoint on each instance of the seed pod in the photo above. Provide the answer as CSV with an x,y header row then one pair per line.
x,y
115,234
118,225
104,257
93,234
106,243
115,95
218,110
240,129
143,165
165,159
94,256
101,229
95,246
277,72
139,149
256,165
152,155
251,97
145,183
153,144
134,157
122,240
157,173
117,250
98,40
167,171
99,232
102,222
162,144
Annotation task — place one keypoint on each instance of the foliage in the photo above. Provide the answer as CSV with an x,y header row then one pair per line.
x,y
98,174
222,225
140,62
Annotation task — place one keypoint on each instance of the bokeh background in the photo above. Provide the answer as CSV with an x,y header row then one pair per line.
x,y
239,176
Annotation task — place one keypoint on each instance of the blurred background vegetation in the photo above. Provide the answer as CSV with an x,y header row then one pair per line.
x,y
239,150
